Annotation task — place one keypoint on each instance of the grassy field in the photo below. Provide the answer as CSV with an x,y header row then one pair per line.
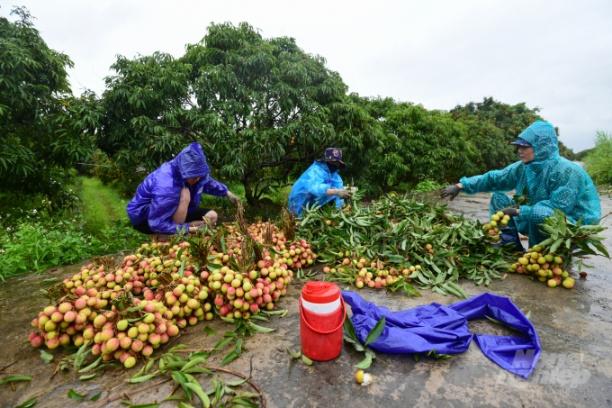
x,y
101,205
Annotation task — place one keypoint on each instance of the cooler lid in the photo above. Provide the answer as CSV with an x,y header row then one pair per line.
x,y
320,292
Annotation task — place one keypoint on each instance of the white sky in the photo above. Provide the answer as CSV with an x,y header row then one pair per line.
x,y
556,55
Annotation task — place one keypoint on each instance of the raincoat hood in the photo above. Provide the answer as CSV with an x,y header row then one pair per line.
x,y
191,162
542,136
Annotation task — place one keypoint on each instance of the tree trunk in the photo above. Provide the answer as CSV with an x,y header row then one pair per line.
x,y
248,191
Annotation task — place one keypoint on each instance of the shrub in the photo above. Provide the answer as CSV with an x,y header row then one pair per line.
x,y
599,161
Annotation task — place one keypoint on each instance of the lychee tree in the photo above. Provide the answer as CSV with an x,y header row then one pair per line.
x,y
264,104
41,124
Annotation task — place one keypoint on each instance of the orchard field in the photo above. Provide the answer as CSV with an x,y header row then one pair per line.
x,y
95,313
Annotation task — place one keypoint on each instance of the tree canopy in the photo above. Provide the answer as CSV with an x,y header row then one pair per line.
x,y
262,108
40,122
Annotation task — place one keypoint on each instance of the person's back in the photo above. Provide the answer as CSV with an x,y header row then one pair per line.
x,y
319,184
587,206
160,182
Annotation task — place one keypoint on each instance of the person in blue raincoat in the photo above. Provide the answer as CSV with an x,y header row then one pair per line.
x,y
320,184
168,200
542,179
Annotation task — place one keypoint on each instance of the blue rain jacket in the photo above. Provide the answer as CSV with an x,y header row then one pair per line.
x,y
444,329
550,181
310,188
157,197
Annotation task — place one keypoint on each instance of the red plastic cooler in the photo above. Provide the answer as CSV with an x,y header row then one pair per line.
x,y
322,315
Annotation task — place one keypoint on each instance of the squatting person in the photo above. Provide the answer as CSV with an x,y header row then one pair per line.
x,y
320,184
543,179
168,200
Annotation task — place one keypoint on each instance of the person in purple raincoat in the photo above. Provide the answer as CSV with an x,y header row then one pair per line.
x,y
168,200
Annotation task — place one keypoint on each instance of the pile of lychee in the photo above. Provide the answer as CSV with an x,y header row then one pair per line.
x,y
371,273
129,310
493,227
545,266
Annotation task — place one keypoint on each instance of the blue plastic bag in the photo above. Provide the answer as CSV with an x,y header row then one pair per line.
x,y
444,329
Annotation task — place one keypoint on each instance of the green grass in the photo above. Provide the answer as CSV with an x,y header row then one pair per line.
x,y
101,205
98,225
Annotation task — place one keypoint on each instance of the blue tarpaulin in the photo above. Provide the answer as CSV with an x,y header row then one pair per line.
x,y
444,329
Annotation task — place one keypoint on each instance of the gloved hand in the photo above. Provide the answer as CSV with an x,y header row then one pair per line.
x,y
451,192
510,211
233,198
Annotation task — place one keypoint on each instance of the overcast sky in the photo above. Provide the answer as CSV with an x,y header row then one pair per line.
x,y
556,55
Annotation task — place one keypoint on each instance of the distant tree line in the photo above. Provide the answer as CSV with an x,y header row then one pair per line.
x,y
262,108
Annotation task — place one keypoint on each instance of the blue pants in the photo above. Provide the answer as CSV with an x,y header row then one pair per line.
x,y
531,228
509,233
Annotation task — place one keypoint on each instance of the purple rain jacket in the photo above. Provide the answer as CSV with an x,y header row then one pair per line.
x,y
157,197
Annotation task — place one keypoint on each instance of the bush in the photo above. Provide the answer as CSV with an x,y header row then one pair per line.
x,y
38,238
427,186
599,161
39,245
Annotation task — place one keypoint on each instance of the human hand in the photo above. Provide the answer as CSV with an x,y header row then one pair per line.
x,y
343,193
451,191
233,198
196,225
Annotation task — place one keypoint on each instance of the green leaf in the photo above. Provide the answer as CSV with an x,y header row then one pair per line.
x,y
15,378
209,331
260,329
367,360
193,362
91,366
28,404
239,402
306,360
235,383
280,312
294,354
234,354
96,396
349,330
197,390
142,378
87,377
80,356
72,394
182,380
46,357
376,331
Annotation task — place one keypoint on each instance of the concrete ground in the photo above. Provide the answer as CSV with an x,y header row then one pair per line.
x,y
575,370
